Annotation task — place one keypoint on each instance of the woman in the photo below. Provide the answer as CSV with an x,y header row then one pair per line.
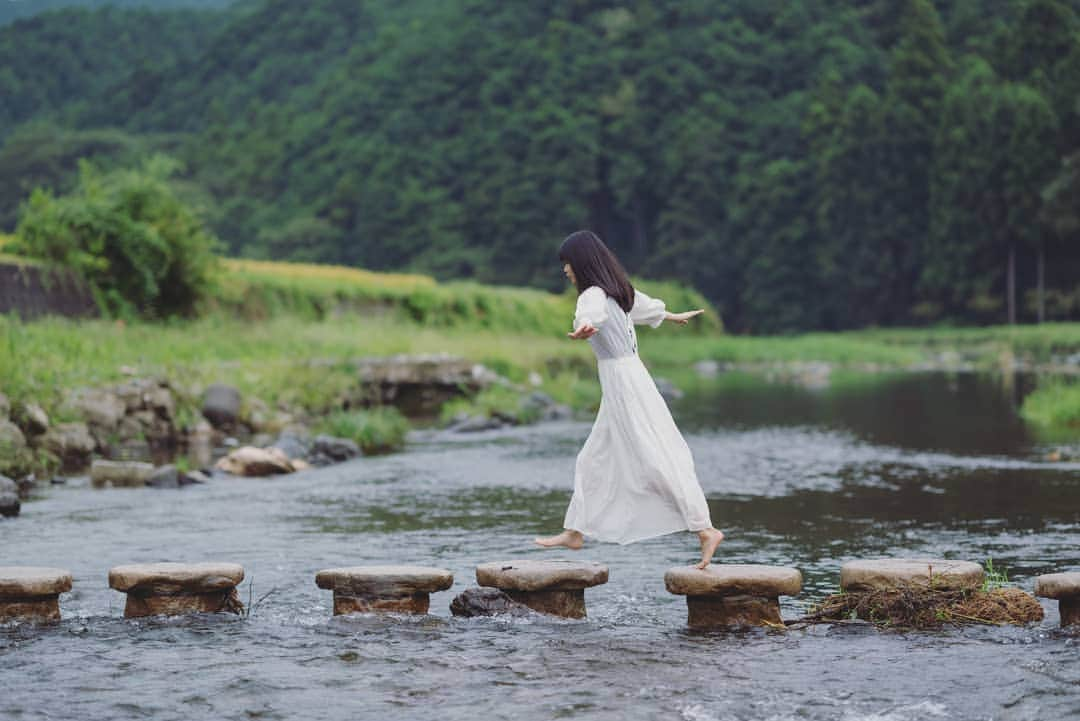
x,y
634,478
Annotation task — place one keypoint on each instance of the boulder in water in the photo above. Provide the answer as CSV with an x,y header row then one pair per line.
x,y
474,602
252,461
9,497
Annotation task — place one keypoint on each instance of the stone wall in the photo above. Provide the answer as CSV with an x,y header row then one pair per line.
x,y
32,292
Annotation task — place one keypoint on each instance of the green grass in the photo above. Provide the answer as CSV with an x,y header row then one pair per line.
x,y
1054,404
375,430
994,577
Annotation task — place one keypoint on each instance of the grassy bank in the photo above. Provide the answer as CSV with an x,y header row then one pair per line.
x,y
264,323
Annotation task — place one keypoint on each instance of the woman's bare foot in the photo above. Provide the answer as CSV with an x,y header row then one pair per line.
x,y
710,539
571,539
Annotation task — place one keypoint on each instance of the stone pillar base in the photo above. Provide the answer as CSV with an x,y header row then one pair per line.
x,y
411,603
567,604
1070,611
41,609
179,604
740,610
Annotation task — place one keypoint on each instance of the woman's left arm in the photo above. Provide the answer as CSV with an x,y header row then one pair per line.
x,y
682,318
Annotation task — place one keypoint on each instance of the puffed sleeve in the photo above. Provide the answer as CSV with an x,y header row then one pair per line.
x,y
646,310
591,308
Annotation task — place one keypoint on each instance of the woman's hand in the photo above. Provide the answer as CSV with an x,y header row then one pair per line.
x,y
583,332
682,318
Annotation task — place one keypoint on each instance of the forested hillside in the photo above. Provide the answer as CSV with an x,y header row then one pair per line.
x,y
12,10
806,164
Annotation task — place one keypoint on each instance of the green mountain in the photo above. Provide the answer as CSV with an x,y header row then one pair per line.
x,y
806,164
12,10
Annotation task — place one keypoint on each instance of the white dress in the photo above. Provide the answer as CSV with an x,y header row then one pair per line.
x,y
634,477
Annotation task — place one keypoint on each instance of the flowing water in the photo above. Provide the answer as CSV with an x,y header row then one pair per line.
x,y
905,465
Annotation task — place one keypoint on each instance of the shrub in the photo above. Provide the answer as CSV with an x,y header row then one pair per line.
x,y
375,430
141,250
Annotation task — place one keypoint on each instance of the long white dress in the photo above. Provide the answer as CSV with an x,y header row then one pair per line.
x,y
634,478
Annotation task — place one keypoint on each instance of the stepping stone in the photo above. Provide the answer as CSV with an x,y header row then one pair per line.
x,y
30,593
397,589
884,573
733,594
173,589
1065,587
556,588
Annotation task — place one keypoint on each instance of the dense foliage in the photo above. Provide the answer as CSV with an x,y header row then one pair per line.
x,y
809,164
12,10
141,249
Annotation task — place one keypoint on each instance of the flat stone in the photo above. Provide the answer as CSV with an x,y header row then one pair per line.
x,y
178,604
21,582
1058,585
866,575
732,579
149,579
541,575
384,580
120,474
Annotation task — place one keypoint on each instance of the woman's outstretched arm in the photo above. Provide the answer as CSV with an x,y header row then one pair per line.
x,y
682,318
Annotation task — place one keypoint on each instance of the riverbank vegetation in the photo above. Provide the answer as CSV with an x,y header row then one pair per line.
x,y
824,165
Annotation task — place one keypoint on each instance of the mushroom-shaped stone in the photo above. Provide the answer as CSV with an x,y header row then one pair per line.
x,y
400,589
172,589
29,593
733,594
883,573
553,587
1065,587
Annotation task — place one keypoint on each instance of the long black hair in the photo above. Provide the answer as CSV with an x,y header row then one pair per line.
x,y
593,263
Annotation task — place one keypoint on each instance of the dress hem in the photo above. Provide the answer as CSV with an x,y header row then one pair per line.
x,y
635,539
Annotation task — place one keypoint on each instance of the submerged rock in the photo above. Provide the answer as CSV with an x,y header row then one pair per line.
x,y
473,602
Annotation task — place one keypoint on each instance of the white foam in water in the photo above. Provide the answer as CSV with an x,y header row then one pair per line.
x,y
914,712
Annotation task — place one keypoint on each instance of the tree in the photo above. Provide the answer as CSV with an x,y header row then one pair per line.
x,y
141,250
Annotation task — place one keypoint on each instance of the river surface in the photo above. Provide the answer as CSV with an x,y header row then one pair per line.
x,y
810,477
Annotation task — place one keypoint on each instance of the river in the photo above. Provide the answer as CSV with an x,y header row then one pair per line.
x,y
912,464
